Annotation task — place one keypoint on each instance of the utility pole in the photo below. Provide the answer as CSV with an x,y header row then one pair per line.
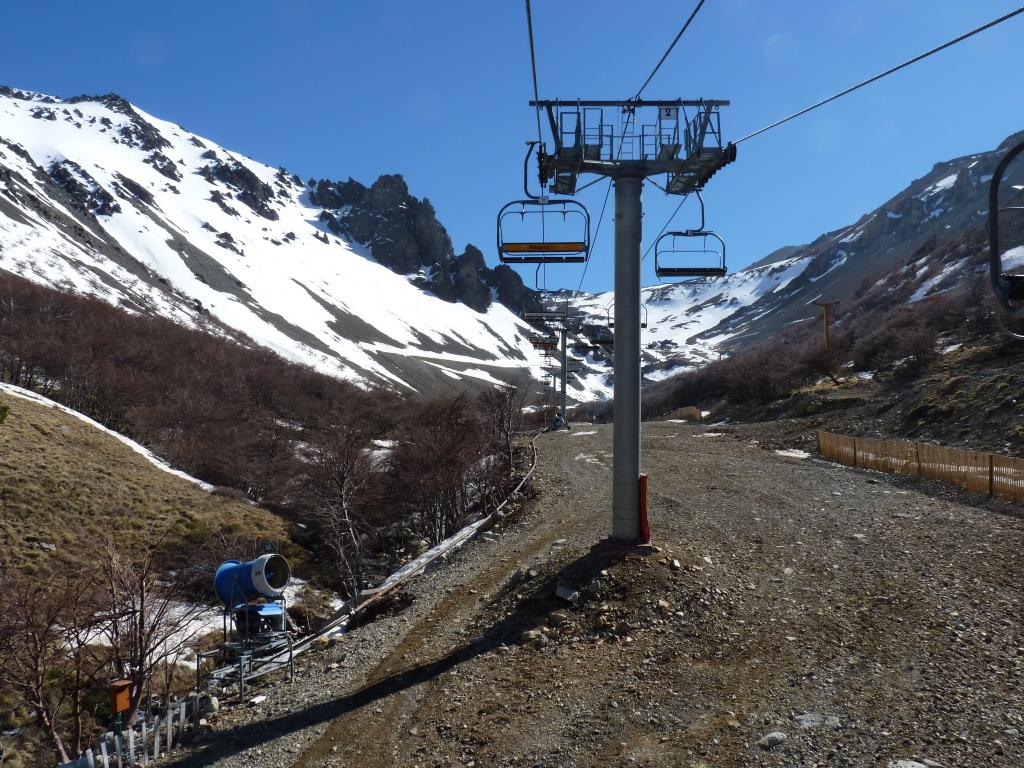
x,y
826,306
689,151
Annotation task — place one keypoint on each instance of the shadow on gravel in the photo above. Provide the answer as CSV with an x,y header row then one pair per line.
x,y
506,631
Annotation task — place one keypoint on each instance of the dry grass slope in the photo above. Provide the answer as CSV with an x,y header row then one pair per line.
x,y
63,482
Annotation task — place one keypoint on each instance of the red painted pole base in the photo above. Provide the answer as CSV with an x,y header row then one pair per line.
x,y
641,546
645,524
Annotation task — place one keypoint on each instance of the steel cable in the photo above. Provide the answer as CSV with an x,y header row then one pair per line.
x,y
887,72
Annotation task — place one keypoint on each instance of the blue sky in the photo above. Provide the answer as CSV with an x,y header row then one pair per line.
x,y
438,92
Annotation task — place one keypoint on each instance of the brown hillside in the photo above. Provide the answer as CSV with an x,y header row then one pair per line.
x,y
65,483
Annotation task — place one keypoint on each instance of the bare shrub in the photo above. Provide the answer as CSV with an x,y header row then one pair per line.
x,y
47,652
502,415
438,471
340,462
147,621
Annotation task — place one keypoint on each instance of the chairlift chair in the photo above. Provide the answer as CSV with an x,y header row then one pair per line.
x,y
611,316
702,246
561,214
1006,245
545,341
566,217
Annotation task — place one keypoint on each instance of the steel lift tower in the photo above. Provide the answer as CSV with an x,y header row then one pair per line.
x,y
681,139
552,343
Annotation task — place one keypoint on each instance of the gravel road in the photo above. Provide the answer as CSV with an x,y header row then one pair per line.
x,y
798,613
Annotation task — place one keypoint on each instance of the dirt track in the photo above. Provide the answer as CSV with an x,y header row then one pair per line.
x,y
889,619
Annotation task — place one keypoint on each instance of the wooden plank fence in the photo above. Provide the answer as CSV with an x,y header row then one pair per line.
x,y
688,412
985,473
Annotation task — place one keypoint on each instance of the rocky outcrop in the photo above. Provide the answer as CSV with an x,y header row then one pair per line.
x,y
403,233
137,132
510,290
254,193
469,277
84,192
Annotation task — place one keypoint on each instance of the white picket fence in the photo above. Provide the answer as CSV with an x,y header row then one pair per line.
x,y
147,740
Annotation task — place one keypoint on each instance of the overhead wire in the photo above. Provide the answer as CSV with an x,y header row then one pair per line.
x,y
669,50
540,136
533,68
629,118
851,89
650,77
886,73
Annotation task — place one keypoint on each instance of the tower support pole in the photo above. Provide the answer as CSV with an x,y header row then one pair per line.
x,y
626,435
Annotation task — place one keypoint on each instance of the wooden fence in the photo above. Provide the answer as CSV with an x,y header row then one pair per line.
x,y
986,473
688,412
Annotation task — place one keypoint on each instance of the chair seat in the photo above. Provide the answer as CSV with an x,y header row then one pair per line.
x,y
691,272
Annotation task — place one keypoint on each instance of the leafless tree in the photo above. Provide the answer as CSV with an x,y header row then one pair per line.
x,y
502,409
84,657
438,466
147,618
341,460
48,653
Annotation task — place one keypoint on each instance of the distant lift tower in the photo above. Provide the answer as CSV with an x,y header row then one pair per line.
x,y
554,321
681,139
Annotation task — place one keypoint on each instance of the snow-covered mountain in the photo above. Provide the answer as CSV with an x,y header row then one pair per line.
x,y
916,246
360,282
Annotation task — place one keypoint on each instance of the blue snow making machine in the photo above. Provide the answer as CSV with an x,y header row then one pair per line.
x,y
253,593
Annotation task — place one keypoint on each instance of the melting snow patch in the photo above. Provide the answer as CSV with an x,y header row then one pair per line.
x,y
793,453
1014,257
710,434
838,262
296,586
927,287
588,432
939,186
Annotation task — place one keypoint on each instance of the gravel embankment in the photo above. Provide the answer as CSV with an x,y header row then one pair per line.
x,y
799,614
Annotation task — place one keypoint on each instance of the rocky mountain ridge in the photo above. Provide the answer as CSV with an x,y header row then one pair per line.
x,y
403,233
